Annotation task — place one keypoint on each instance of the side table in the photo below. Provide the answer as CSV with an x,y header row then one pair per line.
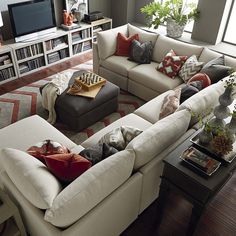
x,y
9,210
195,188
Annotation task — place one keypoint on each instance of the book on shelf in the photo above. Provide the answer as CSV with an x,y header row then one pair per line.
x,y
7,73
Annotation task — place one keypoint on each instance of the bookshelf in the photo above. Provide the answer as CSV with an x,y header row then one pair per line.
x,y
23,58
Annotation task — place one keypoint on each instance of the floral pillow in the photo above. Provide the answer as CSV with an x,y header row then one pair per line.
x,y
171,64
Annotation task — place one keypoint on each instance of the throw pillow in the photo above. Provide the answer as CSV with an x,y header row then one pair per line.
x,y
115,139
47,147
98,152
123,44
170,103
67,167
203,78
141,52
171,64
129,133
190,68
187,91
216,69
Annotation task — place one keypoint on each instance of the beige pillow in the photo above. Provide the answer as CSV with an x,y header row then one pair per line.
x,y
170,103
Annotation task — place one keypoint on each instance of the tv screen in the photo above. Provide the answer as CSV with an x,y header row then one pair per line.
x,y
31,16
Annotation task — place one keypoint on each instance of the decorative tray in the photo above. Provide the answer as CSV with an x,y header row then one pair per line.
x,y
209,150
199,161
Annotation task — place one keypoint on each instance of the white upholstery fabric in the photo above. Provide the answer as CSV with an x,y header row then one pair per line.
x,y
130,120
164,44
95,58
158,137
107,41
208,55
150,110
229,61
120,65
90,188
203,100
77,149
143,35
29,131
31,177
147,75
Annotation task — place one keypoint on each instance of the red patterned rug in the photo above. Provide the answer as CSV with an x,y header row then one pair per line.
x,y
26,101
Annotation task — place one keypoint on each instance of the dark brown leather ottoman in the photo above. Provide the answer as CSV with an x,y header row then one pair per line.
x,y
80,112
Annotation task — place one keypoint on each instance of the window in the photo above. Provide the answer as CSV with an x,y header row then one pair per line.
x,y
230,33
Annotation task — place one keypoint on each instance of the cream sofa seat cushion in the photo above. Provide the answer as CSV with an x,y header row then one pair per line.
x,y
29,131
31,177
148,76
120,65
107,41
129,120
204,100
143,35
164,45
150,111
90,188
159,137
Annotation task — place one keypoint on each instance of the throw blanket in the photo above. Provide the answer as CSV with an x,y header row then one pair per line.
x,y
55,87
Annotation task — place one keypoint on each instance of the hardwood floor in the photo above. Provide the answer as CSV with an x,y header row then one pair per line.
x,y
219,218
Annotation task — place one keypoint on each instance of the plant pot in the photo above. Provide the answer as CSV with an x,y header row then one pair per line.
x,y
174,30
205,137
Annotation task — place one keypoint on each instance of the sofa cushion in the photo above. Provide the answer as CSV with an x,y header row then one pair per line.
x,y
201,78
107,41
171,64
141,52
128,120
187,91
120,65
31,177
67,167
208,55
164,45
18,136
90,188
123,44
144,36
203,100
230,61
148,76
158,137
190,68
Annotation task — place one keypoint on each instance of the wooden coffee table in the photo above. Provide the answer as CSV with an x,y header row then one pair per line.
x,y
195,188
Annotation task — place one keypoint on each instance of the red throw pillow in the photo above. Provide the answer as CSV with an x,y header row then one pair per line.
x,y
45,148
204,78
171,64
123,44
67,167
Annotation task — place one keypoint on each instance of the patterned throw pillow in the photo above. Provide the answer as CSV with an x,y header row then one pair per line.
x,y
190,68
123,44
129,133
45,148
170,103
203,78
171,64
67,167
141,52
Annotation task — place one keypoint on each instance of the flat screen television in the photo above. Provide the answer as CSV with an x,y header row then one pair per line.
x,y
32,19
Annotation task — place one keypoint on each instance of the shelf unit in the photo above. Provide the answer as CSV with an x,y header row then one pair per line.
x,y
7,66
23,58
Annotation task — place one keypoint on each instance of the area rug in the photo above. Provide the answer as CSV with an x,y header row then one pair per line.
x,y
26,101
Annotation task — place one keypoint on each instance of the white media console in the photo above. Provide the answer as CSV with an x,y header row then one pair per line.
x,y
22,58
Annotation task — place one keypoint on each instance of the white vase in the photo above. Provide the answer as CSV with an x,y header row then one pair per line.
x,y
174,30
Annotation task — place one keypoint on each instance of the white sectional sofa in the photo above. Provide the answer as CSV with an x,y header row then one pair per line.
x,y
143,80
109,196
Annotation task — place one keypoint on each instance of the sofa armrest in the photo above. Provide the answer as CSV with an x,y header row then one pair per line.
x,y
95,58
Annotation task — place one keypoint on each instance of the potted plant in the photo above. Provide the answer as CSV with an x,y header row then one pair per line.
x,y
175,13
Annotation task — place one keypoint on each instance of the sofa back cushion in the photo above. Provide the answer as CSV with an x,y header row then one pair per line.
x,y
107,41
208,55
202,101
31,177
158,137
144,36
90,188
164,45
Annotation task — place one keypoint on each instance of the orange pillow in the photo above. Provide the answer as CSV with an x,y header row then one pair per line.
x,y
204,78
123,44
67,167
